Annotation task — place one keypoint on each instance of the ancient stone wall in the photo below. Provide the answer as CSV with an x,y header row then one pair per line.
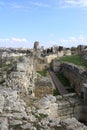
x,y
43,86
55,65
39,64
70,106
60,53
84,89
78,79
45,113
64,107
24,77
64,52
49,58
73,124
76,75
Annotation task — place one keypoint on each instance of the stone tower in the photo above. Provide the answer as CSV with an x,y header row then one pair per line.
x,y
36,45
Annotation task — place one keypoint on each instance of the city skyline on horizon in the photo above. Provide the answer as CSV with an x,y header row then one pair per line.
x,y
52,22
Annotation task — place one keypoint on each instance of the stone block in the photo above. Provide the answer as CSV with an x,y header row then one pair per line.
x,y
4,123
77,109
65,112
62,104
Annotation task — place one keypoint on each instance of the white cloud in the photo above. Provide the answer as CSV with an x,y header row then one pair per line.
x,y
69,42
40,4
4,40
18,40
23,5
74,3
23,42
14,42
29,4
73,41
16,6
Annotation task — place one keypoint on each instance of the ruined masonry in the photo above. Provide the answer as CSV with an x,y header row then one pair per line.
x,y
45,113
23,78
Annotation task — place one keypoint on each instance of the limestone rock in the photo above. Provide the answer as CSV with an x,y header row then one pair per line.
x,y
2,102
4,123
28,126
24,77
46,101
48,105
14,122
20,115
73,124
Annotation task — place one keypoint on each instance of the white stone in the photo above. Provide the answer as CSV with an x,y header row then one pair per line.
x,y
14,122
20,115
3,123
46,101
2,102
26,126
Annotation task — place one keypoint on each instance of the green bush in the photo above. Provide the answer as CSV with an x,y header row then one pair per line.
x,y
43,72
55,92
2,81
42,116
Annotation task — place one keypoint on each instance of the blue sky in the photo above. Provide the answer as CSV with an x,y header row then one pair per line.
x,y
51,22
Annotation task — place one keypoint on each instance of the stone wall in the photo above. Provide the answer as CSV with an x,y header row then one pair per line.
x,y
60,53
24,77
55,65
70,106
49,58
43,86
85,102
73,124
64,107
64,52
39,64
76,75
67,52
78,79
45,113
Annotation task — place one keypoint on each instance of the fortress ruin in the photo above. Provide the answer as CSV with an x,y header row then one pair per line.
x,y
27,98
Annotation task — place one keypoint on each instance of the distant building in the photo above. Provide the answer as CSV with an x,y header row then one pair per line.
x,y
80,47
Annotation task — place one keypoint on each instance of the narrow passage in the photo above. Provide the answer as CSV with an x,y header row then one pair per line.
x,y
59,86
